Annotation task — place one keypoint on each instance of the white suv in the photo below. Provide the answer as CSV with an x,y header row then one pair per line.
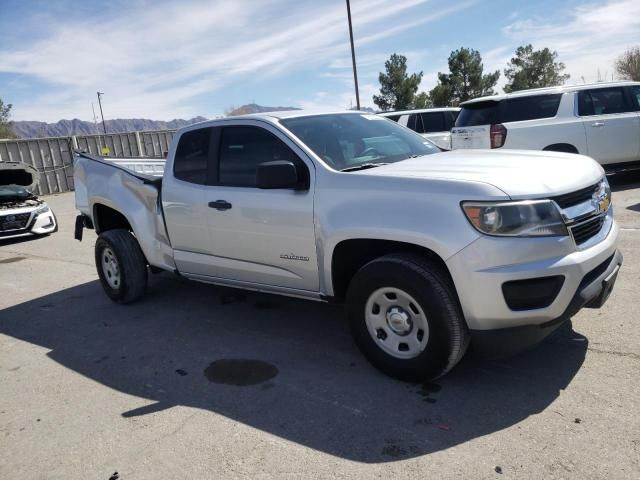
x,y
600,120
432,123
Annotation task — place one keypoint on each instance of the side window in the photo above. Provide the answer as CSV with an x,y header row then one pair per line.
x,y
192,156
585,105
531,107
603,101
243,148
635,96
433,122
449,120
395,118
412,123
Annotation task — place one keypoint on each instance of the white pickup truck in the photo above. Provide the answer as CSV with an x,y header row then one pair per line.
x,y
428,249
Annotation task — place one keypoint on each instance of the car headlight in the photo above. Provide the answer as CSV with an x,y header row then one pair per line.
x,y
535,218
43,209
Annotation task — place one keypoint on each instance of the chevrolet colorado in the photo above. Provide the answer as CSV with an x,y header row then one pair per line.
x,y
429,250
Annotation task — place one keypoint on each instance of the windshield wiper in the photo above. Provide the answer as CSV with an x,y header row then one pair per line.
x,y
362,166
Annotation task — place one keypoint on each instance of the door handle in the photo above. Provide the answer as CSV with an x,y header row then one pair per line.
x,y
220,205
597,124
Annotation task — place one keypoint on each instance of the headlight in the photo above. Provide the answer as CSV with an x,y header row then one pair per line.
x,y
43,209
536,218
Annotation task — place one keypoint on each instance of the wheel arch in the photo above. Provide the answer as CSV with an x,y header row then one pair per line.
x,y
561,147
349,255
108,218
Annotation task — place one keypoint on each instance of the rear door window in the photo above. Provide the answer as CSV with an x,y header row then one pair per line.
x,y
433,122
478,113
531,107
192,156
603,101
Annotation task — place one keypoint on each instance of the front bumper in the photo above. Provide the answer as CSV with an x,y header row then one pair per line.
x,y
593,291
480,270
38,224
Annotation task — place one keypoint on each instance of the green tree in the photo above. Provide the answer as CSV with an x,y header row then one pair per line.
x,y
628,64
534,69
6,127
465,80
440,95
422,100
397,88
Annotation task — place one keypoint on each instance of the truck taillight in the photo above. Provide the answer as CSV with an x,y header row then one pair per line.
x,y
498,135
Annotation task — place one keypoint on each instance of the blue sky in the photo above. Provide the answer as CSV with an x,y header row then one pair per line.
x,y
178,59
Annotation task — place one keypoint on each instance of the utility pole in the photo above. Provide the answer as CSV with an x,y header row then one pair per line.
x,y
353,56
95,119
104,126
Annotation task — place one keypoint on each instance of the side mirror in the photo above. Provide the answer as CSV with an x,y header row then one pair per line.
x,y
277,174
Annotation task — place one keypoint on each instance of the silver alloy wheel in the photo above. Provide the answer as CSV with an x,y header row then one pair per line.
x,y
396,322
110,268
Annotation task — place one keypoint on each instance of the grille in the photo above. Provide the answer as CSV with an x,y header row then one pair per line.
x,y
14,222
586,230
574,198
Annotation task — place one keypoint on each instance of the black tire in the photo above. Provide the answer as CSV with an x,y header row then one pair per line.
x,y
132,266
431,288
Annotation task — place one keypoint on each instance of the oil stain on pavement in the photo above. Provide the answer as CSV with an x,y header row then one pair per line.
x,y
240,372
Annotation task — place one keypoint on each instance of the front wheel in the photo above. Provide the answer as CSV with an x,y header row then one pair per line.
x,y
405,317
121,266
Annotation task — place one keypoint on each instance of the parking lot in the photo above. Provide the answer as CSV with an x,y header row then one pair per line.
x,y
90,388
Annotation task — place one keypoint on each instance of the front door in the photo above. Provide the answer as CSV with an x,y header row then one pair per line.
x,y
260,236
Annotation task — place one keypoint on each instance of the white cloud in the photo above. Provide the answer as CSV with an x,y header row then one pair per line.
x,y
590,40
154,60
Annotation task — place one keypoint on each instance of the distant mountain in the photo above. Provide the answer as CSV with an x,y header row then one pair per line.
x,y
255,108
63,128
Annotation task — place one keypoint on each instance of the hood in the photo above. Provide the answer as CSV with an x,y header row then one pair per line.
x,y
518,173
16,173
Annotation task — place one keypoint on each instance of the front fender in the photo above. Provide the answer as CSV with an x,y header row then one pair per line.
x,y
426,214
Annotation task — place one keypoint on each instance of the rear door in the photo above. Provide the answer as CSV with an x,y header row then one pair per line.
x,y
612,124
474,124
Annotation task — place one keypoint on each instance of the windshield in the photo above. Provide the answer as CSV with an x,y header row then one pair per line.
x,y
349,140
10,193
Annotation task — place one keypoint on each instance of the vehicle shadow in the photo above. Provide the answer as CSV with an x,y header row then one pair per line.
x,y
624,180
325,395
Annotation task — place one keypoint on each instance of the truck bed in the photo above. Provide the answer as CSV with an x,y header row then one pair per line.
x,y
131,187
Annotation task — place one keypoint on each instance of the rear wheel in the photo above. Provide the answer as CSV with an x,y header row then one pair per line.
x,y
405,317
121,265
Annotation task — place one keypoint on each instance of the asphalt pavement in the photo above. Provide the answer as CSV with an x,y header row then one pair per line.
x,y
197,381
